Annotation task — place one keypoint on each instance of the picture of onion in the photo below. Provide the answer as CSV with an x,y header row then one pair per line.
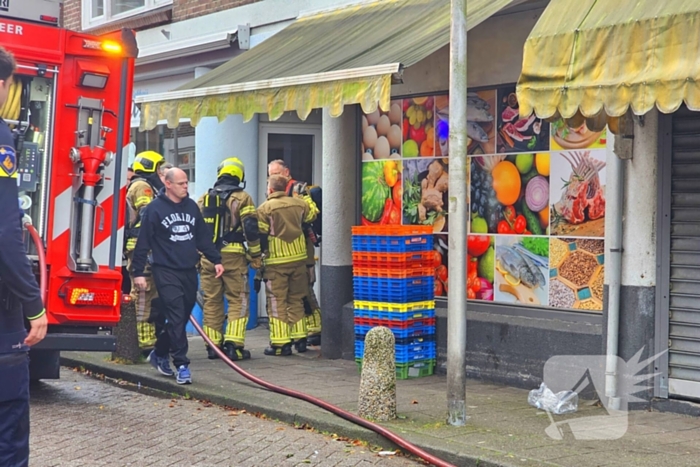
x,y
537,193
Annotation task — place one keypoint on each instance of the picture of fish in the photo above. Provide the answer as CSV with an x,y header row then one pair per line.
x,y
478,109
521,275
476,133
520,267
481,137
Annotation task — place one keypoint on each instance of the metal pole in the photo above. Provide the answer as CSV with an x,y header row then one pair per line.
x,y
613,264
457,254
117,206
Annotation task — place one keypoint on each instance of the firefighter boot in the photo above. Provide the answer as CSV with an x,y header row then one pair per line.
x,y
300,345
211,353
217,338
314,339
279,351
298,335
280,342
236,353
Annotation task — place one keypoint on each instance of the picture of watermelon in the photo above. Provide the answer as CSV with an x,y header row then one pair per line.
x,y
375,190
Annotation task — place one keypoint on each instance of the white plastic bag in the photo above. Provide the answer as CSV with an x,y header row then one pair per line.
x,y
560,403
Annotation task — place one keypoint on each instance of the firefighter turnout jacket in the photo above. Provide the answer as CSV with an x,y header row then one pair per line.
x,y
230,213
138,196
280,219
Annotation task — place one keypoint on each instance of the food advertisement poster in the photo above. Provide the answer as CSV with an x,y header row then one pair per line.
x,y
517,134
578,193
536,196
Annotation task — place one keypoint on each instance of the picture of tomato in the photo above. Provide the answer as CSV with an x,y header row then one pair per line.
x,y
397,192
441,273
439,289
437,258
394,215
478,244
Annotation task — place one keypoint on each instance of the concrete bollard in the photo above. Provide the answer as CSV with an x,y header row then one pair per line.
x,y
127,350
377,400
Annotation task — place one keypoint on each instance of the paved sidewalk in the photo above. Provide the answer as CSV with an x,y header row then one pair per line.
x,y
503,430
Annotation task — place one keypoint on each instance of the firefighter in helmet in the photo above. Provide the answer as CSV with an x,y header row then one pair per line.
x,y
284,272
311,194
143,188
230,213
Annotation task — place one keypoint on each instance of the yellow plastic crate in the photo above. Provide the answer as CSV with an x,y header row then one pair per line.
x,y
395,307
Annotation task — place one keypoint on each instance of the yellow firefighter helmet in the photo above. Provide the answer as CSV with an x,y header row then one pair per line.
x,y
147,162
233,167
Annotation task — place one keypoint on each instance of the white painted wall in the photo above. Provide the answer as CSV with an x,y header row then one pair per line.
x,y
340,188
216,141
640,206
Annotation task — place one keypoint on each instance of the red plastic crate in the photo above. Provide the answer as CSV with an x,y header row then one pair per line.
x,y
392,230
414,259
395,273
395,324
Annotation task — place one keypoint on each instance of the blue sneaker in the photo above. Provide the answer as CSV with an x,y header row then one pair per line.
x,y
161,364
183,375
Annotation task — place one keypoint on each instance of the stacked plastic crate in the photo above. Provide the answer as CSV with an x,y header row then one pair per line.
x,y
393,281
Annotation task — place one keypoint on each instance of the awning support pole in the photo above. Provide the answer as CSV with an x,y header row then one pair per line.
x,y
457,254
613,266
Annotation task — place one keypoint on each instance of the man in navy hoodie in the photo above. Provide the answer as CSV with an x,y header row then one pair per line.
x,y
173,229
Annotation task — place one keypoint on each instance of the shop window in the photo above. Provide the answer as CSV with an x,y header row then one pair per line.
x,y
536,196
97,12
175,145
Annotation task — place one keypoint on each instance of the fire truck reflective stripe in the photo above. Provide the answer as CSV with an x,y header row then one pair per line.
x,y
101,251
61,213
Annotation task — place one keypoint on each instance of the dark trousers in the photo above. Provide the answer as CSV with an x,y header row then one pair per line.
x,y
158,319
177,290
126,281
14,410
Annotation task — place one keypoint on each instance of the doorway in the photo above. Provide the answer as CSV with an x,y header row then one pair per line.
x,y
300,147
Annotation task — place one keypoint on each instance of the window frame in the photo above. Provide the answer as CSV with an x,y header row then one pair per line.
x,y
88,21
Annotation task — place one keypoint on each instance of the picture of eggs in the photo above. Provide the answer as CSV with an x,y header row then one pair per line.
x,y
382,133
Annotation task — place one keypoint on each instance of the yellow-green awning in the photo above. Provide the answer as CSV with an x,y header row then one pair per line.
x,y
605,55
325,60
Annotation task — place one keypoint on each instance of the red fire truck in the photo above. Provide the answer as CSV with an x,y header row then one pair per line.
x,y
67,109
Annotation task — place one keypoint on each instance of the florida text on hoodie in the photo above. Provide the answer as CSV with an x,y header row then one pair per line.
x,y
175,233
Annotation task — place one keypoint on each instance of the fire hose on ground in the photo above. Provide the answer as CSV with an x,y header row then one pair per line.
x,y
413,449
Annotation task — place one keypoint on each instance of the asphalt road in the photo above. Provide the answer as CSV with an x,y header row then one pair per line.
x,y
82,421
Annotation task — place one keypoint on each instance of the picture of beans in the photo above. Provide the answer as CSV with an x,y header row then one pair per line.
x,y
578,268
597,286
560,296
588,305
557,251
592,246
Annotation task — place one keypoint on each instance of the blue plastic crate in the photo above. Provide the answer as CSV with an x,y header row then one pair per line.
x,y
379,289
413,340
392,244
404,353
395,315
413,331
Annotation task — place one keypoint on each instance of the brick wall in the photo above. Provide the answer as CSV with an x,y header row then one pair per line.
x,y
186,9
181,10
71,15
